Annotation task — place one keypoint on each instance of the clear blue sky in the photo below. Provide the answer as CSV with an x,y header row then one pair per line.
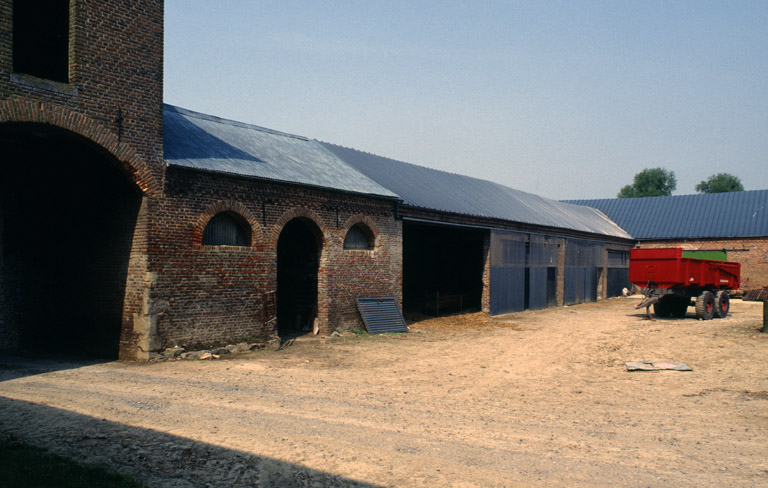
x,y
564,99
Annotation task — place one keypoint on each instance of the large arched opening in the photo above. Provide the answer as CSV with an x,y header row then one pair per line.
x,y
68,213
298,260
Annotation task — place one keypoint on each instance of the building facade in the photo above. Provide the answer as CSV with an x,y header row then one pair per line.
x,y
128,226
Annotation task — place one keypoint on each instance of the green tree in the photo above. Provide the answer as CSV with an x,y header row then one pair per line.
x,y
650,182
720,183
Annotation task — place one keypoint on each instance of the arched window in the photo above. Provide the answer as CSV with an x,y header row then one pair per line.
x,y
227,229
358,237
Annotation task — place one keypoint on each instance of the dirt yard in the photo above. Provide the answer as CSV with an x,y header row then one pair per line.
x,y
531,399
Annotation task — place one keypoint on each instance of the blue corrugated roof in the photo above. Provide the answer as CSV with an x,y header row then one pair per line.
x,y
195,140
438,190
716,215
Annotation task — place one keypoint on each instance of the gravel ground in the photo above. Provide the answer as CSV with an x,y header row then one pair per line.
x,y
531,399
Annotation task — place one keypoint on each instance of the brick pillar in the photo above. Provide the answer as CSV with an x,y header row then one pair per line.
x,y
560,271
486,296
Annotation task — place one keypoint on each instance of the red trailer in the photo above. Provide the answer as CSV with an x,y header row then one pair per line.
x,y
674,280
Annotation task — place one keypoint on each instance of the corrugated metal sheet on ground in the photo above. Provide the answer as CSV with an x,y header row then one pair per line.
x,y
381,315
204,142
447,192
733,214
656,366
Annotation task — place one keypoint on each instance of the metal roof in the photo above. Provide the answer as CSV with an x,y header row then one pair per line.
x,y
716,215
195,140
447,192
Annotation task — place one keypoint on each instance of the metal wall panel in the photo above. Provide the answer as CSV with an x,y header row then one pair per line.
x,y
574,286
582,260
618,259
537,294
542,260
507,272
543,251
580,285
507,290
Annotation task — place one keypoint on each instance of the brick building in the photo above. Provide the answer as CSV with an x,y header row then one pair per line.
x,y
127,226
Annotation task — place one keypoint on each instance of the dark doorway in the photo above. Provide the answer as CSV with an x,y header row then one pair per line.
x,y
298,259
618,273
68,214
442,269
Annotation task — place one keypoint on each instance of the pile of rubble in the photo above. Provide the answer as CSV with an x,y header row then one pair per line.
x,y
179,353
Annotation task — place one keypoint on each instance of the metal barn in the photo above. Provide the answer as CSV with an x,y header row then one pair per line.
x,y
533,252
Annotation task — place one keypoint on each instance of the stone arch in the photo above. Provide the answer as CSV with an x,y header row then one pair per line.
x,y
91,274
227,206
360,219
303,253
300,212
19,110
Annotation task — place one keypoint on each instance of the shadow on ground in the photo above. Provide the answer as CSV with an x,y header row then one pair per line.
x,y
156,458
19,365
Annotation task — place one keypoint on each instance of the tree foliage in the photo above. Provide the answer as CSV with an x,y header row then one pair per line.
x,y
650,182
720,183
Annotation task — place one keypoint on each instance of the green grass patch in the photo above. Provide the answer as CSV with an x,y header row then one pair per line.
x,y
24,465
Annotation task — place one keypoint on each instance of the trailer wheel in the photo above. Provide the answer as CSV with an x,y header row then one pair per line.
x,y
662,308
680,307
723,303
705,305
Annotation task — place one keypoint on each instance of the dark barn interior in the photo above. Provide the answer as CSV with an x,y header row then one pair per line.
x,y
67,218
298,259
442,268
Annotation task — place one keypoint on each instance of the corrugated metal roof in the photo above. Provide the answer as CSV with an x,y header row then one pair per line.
x,y
195,140
716,215
438,190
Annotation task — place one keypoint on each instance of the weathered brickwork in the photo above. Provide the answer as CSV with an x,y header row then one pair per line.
x,y
179,291
113,102
215,294
485,299
751,253
114,97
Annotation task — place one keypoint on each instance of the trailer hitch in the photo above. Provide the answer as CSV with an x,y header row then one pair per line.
x,y
651,295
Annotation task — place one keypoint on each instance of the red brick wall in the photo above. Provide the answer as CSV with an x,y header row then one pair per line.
x,y
113,99
751,253
214,294
179,291
116,71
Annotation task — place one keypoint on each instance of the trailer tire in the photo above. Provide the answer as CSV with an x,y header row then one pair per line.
x,y
662,308
722,304
705,305
680,306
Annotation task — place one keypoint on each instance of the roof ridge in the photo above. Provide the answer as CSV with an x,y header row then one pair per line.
x,y
701,195
442,171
